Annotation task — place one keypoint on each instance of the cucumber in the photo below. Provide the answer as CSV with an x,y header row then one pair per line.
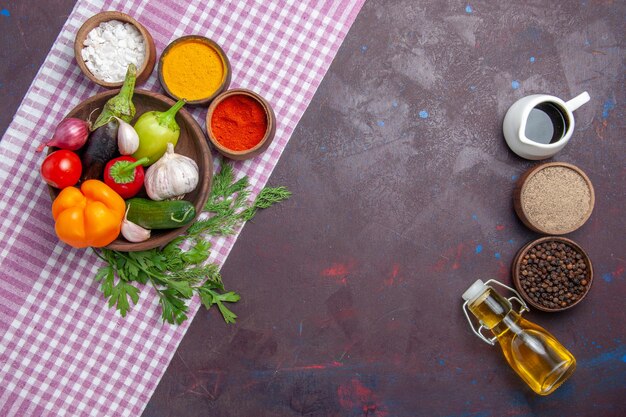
x,y
151,214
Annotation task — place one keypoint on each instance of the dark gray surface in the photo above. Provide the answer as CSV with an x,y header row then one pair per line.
x,y
27,31
352,290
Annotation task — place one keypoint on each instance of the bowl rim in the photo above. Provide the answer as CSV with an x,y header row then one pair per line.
x,y
205,157
211,43
263,143
515,271
149,54
521,187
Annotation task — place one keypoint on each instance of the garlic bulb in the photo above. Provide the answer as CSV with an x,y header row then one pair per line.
x,y
133,232
171,176
127,138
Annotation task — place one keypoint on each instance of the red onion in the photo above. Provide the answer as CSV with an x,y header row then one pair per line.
x,y
70,134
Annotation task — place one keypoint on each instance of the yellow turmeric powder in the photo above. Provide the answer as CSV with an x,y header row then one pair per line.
x,y
193,70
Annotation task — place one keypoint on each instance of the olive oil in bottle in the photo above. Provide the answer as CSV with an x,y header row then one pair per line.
x,y
533,353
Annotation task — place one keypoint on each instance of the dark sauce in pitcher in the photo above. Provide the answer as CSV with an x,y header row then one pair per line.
x,y
546,123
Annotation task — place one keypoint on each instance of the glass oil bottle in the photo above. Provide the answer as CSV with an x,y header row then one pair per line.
x,y
533,353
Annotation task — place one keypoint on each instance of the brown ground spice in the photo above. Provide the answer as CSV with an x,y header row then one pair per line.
x,y
556,199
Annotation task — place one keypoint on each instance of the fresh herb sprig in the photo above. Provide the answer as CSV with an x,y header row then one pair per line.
x,y
179,270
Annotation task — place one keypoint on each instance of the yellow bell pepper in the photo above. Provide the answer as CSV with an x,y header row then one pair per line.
x,y
91,216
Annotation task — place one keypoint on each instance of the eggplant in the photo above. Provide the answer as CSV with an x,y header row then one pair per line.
x,y
120,105
101,147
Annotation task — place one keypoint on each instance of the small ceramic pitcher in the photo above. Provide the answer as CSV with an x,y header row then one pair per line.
x,y
538,126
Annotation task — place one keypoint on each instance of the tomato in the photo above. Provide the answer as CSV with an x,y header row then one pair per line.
x,y
61,169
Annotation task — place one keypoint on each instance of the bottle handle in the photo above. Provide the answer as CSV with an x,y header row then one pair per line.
x,y
478,332
523,306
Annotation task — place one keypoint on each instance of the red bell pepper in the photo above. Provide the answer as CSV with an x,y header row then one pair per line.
x,y
125,175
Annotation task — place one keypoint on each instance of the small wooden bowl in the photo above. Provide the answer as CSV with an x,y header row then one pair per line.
x,y
262,145
149,58
227,69
191,143
517,263
527,219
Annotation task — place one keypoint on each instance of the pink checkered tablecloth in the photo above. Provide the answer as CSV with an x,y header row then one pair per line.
x,y
63,352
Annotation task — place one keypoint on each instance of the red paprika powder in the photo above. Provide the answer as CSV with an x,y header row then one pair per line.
x,y
239,122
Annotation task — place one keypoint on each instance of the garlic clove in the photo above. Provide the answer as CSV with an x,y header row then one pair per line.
x,y
127,138
133,232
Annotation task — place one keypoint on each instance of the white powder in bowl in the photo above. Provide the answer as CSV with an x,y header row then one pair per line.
x,y
110,47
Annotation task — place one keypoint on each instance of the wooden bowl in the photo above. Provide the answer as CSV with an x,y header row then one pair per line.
x,y
227,69
262,145
527,218
191,143
516,271
149,58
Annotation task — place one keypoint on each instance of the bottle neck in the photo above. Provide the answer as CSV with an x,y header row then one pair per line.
x,y
510,323
491,309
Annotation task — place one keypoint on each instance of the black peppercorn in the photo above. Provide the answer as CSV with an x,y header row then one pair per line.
x,y
555,275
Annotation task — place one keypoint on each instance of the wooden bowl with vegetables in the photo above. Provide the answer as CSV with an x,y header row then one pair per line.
x,y
98,42
191,144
